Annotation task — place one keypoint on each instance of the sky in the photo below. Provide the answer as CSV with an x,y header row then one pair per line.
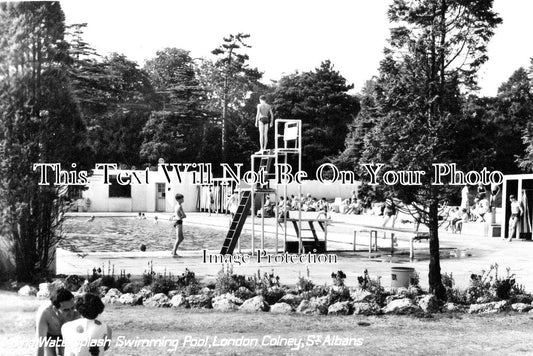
x,y
285,35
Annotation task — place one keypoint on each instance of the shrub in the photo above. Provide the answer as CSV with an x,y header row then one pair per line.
x,y
97,273
338,278
316,292
188,283
341,294
187,278
191,289
453,295
108,281
268,287
504,287
273,295
211,285
489,286
73,282
519,289
227,282
415,279
132,287
447,280
265,281
244,293
483,286
163,284
373,286
148,279
479,288
148,276
304,284
122,280
89,288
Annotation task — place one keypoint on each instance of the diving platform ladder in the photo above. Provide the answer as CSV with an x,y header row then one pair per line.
x,y
265,163
237,223
241,214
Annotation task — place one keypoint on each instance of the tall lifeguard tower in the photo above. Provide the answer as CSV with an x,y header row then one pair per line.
x,y
287,142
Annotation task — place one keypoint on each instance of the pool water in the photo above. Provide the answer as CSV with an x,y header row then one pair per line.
x,y
123,234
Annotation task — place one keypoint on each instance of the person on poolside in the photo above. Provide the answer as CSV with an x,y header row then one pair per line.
x,y
263,120
233,203
483,207
87,336
516,212
389,212
179,215
50,318
464,198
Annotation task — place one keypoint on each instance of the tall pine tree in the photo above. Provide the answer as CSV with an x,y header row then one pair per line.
x,y
435,49
228,80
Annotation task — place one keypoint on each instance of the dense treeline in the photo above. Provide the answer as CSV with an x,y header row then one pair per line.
x,y
200,110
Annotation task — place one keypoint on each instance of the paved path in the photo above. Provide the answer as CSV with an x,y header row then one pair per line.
x,y
462,255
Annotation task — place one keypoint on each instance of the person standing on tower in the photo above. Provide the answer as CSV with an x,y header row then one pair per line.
x,y
264,119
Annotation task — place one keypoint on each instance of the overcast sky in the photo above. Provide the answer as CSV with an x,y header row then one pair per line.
x,y
286,35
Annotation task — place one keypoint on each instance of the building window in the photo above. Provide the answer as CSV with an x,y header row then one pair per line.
x,y
118,191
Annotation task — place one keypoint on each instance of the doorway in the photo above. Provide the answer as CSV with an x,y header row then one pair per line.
x,y
160,198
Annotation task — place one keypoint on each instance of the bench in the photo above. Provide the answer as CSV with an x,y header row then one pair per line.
x,y
373,232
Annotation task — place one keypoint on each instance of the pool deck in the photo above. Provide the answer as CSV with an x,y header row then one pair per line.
x,y
471,252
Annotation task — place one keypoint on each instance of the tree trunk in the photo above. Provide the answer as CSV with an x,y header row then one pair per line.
x,y
224,112
435,282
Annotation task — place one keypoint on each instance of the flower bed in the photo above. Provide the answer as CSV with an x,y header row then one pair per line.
x,y
262,292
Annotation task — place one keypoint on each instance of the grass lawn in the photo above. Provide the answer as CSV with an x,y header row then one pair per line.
x,y
452,334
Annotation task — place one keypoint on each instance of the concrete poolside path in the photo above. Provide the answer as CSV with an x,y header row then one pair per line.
x,y
463,254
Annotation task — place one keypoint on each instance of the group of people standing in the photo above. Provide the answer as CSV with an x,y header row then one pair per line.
x,y
483,206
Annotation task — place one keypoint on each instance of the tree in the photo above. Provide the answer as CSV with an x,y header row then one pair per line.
x,y
526,162
229,79
174,131
435,49
115,97
116,106
320,99
39,123
515,108
350,158
173,74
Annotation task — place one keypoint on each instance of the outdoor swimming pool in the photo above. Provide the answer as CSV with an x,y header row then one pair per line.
x,y
123,234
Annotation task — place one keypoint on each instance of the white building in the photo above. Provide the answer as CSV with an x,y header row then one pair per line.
x,y
147,191
153,191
